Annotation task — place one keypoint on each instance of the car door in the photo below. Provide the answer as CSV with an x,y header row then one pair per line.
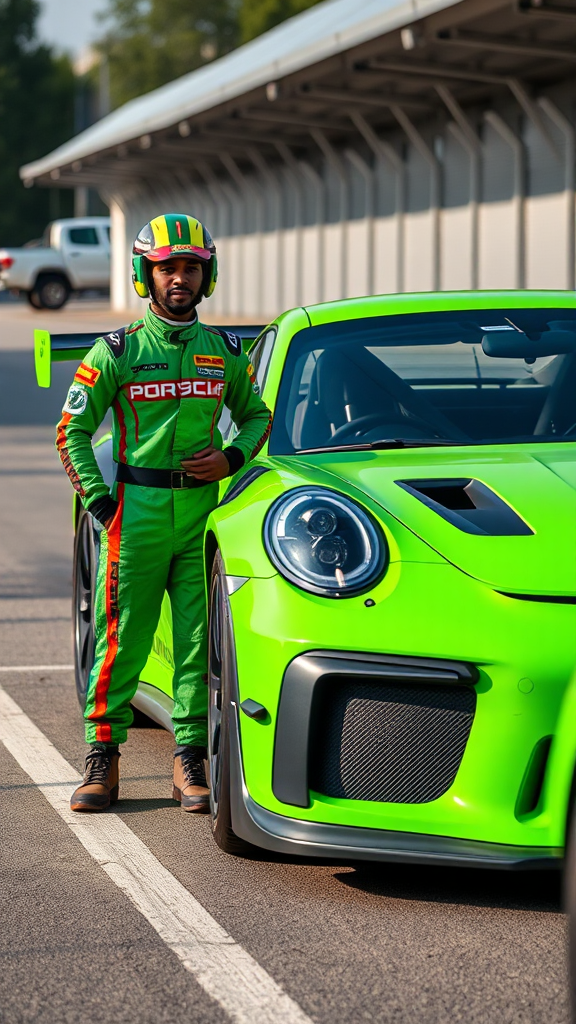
x,y
86,254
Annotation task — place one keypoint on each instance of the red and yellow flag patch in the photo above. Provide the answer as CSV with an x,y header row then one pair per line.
x,y
87,375
211,361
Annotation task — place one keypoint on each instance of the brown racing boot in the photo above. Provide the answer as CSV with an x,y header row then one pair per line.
x,y
189,786
99,788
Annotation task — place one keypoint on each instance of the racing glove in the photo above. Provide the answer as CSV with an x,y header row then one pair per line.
x,y
235,458
103,509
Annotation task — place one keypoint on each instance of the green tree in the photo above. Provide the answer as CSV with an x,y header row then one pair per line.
x,y
258,16
150,42
147,43
36,115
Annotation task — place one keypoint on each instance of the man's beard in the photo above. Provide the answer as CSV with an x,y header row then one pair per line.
x,y
182,307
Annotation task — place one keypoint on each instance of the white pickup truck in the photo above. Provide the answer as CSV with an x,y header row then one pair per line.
x,y
72,256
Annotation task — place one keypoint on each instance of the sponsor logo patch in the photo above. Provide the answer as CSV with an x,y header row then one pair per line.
x,y
233,342
148,367
116,341
252,374
76,401
87,375
214,361
208,371
161,390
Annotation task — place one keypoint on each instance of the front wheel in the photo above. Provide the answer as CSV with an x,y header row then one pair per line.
x,y
570,906
33,300
219,711
51,291
86,549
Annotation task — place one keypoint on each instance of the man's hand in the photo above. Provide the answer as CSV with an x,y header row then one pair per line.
x,y
209,464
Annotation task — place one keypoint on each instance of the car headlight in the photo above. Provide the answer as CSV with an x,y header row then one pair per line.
x,y
324,542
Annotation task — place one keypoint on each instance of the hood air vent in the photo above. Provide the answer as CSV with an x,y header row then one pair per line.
x,y
469,505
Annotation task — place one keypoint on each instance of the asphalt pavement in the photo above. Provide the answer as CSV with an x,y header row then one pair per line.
x,y
346,943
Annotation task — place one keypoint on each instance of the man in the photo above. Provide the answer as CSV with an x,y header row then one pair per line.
x,y
166,378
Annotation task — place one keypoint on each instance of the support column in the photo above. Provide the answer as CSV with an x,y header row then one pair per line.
x,y
569,133
293,171
421,145
271,180
317,183
120,257
532,112
464,132
220,200
368,174
510,137
335,162
246,272
387,154
81,201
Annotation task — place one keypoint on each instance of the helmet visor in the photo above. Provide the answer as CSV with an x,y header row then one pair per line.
x,y
166,252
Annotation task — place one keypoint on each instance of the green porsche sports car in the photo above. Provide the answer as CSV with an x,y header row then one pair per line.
x,y
391,585
566,742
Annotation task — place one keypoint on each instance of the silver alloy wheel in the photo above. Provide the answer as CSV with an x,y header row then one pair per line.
x,y
215,694
221,659
54,294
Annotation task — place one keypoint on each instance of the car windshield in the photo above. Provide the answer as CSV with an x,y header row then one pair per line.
x,y
490,376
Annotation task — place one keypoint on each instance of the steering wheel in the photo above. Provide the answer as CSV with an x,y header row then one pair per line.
x,y
360,426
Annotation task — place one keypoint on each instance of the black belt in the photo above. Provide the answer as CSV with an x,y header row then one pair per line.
x,y
174,479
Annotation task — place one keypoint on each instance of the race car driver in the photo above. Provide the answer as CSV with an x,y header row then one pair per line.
x,y
166,377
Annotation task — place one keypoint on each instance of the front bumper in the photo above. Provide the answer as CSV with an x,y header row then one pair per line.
x,y
290,836
524,654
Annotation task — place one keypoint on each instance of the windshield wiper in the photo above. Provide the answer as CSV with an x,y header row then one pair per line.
x,y
385,443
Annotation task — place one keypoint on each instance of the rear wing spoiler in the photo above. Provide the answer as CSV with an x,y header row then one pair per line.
x,y
60,348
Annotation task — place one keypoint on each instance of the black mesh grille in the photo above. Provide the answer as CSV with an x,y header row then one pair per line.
x,y
387,742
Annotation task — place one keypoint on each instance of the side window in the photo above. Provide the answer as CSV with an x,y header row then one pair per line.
x,y
300,398
260,356
83,236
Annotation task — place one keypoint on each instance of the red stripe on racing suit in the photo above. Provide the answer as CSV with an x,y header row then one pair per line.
x,y
103,733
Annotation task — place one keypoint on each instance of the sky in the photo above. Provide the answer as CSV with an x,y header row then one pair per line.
x,y
70,25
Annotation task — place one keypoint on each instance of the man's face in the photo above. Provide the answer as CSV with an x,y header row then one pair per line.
x,y
177,283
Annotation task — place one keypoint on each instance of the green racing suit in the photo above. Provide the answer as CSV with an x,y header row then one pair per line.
x,y
167,385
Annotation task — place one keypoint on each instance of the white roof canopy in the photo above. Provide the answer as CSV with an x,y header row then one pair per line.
x,y
380,58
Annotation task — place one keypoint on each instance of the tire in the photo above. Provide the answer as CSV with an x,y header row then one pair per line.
x,y
570,907
219,711
85,567
33,300
85,570
51,291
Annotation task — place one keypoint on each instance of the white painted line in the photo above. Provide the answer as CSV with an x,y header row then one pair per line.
x,y
36,668
219,964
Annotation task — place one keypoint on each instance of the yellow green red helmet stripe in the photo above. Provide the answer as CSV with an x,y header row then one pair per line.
x,y
170,235
175,229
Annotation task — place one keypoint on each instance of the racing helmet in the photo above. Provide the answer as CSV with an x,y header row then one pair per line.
x,y
173,234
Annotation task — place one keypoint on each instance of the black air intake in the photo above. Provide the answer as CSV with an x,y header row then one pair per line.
x,y
468,505
389,742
